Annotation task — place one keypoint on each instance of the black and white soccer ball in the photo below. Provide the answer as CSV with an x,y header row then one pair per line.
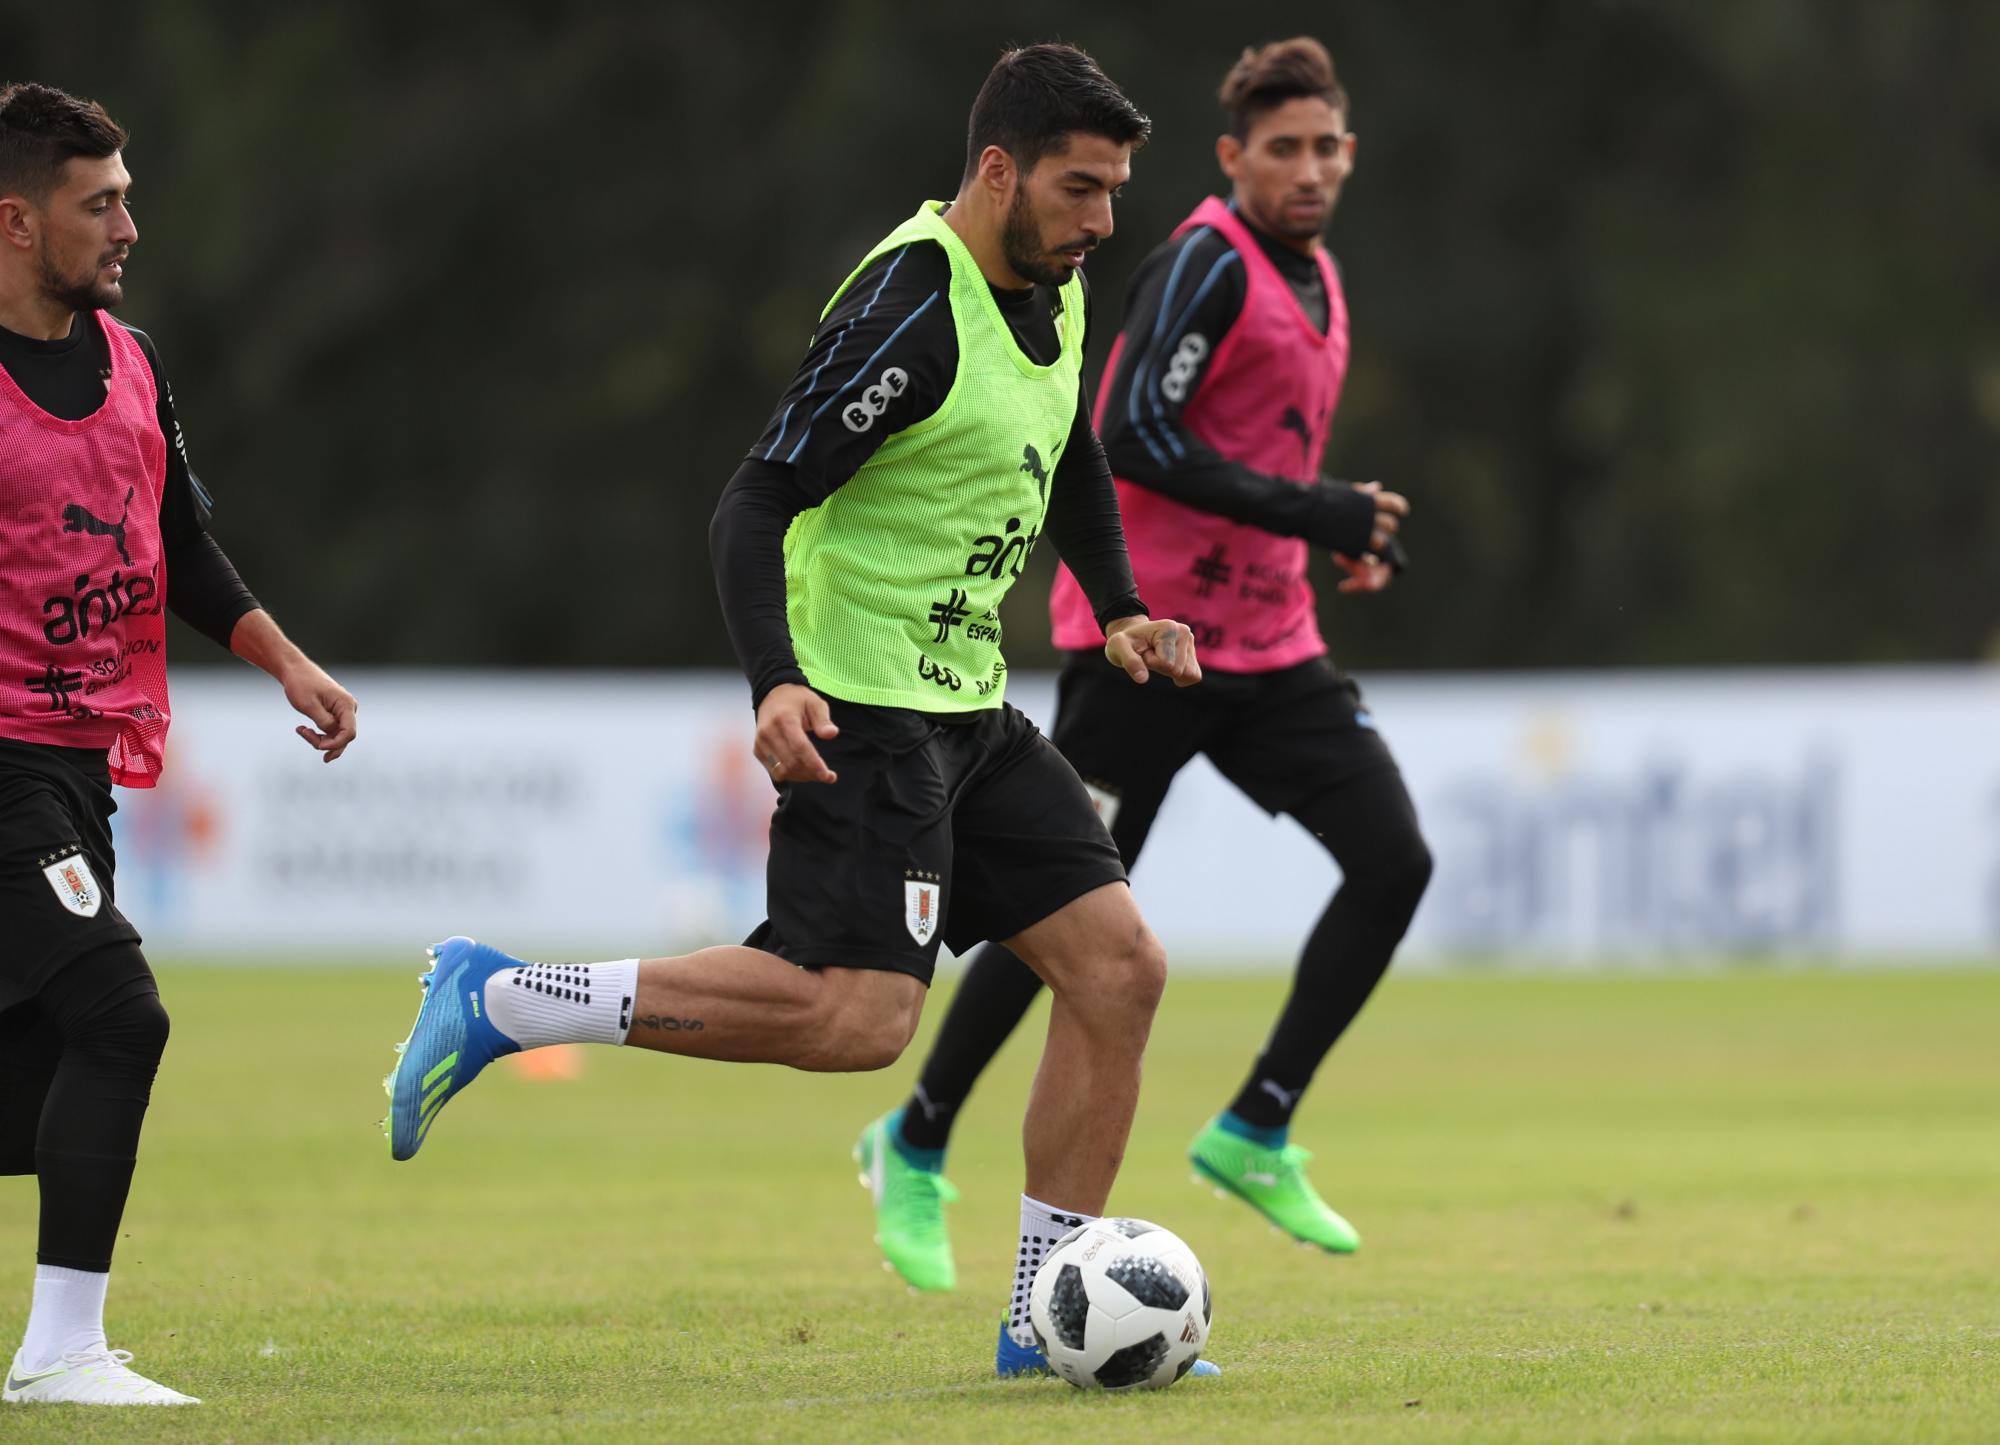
x,y
1120,1304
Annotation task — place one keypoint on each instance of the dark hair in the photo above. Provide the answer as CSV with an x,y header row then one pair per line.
x,y
1267,76
1036,97
41,128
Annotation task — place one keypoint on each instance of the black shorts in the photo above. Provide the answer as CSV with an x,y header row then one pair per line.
x,y
957,830
1286,738
55,864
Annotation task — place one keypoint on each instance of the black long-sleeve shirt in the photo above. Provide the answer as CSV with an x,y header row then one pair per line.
x,y
66,378
897,313
1193,286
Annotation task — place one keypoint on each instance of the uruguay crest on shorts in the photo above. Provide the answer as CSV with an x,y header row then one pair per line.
x,y
75,885
920,909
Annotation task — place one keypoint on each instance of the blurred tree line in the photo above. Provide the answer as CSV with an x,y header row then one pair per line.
x,y
1676,320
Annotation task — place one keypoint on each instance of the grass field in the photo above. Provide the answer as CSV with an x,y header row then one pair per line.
x,y
1720,1207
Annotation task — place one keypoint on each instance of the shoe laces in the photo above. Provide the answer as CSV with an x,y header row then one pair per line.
x,y
116,1364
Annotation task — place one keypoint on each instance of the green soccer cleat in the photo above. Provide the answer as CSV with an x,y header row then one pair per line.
x,y
1273,1182
909,1210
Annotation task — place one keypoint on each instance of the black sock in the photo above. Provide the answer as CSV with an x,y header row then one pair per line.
x,y
992,998
106,1009
1371,829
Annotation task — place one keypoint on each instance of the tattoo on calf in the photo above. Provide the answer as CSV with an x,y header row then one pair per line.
x,y
661,1022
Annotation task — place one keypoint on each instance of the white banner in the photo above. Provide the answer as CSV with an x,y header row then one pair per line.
x,y
1586,817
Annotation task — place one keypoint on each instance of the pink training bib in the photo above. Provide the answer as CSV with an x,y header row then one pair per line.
x,y
83,588
1266,401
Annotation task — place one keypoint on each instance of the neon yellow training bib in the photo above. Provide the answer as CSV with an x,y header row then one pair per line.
x,y
893,583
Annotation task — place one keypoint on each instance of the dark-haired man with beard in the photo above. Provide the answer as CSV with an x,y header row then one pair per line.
x,y
936,430
99,514
1220,393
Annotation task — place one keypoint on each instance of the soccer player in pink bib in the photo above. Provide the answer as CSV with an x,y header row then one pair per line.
x,y
1218,399
98,510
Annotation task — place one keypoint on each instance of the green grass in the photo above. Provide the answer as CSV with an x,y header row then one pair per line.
x,y
1721,1207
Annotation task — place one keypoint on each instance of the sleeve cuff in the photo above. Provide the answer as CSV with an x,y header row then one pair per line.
x,y
1344,520
763,686
1129,605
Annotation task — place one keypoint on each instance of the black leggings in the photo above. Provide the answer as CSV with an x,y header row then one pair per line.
x,y
1369,826
76,1072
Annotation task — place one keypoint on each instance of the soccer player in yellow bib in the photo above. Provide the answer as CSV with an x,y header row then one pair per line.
x,y
937,429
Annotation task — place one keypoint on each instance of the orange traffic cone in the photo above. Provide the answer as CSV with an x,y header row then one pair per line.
x,y
559,1062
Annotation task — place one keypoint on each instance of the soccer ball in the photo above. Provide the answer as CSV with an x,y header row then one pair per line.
x,y
1120,1303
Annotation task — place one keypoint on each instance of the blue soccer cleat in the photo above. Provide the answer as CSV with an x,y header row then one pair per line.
x,y
449,1044
1010,1359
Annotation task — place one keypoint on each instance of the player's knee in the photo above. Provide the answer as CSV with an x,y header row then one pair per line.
x,y
130,1032
1134,975
859,1043
873,1047
1402,876
1149,971
106,1004
1115,975
864,1020
143,1027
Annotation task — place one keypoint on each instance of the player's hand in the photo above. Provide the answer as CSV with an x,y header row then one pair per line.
x,y
1368,574
1390,509
789,718
1143,646
331,707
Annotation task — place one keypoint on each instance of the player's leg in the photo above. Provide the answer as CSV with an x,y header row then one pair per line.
x,y
1036,869
104,1008
744,1005
992,998
738,1004
29,1052
1313,752
84,1032
1105,971
901,1154
833,981
1369,825
39,831
1126,743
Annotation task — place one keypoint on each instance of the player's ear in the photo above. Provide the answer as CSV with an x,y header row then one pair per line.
x,y
16,222
997,171
1229,154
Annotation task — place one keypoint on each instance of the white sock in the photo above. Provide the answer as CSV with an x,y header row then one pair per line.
x,y
1041,1226
68,1314
563,1003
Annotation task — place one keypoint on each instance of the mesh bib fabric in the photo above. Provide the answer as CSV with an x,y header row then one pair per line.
x,y
893,584
83,588
1267,401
